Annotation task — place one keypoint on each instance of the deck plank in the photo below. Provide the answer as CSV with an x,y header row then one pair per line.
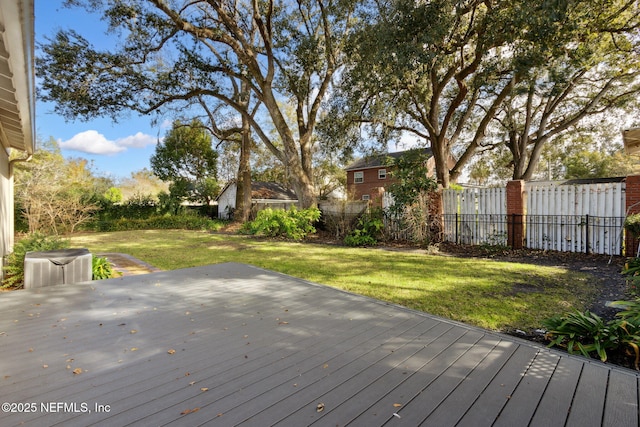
x,y
589,396
451,411
621,405
555,405
254,347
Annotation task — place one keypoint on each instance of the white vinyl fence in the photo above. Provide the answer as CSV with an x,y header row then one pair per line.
x,y
575,217
560,216
475,216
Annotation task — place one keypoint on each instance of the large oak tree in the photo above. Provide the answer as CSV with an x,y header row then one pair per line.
x,y
460,75
173,52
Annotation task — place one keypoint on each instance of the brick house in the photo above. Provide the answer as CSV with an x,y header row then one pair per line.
x,y
368,177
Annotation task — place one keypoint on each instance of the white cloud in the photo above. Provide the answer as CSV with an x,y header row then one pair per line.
x,y
139,140
93,142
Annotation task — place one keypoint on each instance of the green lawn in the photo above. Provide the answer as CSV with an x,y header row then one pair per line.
x,y
490,294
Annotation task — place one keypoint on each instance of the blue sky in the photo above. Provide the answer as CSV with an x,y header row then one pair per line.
x,y
115,149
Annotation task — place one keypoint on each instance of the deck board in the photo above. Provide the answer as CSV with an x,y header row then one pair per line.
x,y
232,344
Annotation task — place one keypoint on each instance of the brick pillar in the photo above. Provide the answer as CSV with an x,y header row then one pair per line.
x,y
515,214
632,192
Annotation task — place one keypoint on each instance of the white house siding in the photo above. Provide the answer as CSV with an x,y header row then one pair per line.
x,y
227,201
6,208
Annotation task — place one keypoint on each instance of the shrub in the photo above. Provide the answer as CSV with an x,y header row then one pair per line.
x,y
101,268
367,232
14,268
184,222
291,224
632,224
632,272
138,207
583,333
588,334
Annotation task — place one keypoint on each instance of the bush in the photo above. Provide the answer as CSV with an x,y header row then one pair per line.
x,y
291,224
138,207
101,268
367,232
176,222
14,268
588,334
632,224
632,272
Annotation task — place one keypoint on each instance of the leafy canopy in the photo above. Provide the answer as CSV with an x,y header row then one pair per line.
x,y
187,159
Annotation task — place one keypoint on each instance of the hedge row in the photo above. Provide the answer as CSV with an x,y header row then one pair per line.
x,y
184,222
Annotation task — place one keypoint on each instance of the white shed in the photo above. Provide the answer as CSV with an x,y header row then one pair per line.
x,y
263,195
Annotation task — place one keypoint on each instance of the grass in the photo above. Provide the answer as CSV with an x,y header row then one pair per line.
x,y
486,293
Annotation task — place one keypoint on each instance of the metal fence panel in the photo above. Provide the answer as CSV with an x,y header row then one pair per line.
x,y
586,218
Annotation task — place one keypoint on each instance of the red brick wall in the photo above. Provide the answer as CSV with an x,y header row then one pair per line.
x,y
370,186
632,192
515,214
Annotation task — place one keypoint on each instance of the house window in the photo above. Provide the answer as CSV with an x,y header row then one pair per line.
x,y
358,177
366,197
382,174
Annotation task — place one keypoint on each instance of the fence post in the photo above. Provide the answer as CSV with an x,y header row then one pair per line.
x,y
632,200
587,236
515,208
457,225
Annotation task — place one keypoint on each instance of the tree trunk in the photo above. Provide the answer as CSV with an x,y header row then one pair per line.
x,y
243,195
243,181
441,157
304,189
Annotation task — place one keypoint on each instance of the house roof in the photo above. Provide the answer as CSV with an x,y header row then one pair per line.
x,y
232,344
265,191
271,190
377,160
17,88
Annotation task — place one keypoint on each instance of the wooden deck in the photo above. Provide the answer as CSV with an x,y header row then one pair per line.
x,y
231,344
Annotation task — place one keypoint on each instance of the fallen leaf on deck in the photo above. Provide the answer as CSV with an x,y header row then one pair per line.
x,y
134,348
45,366
283,323
325,366
77,371
397,405
320,407
204,389
189,411
133,331
171,351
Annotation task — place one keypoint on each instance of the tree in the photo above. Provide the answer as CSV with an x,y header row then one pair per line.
x,y
187,160
142,183
454,72
282,52
582,152
54,194
598,76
